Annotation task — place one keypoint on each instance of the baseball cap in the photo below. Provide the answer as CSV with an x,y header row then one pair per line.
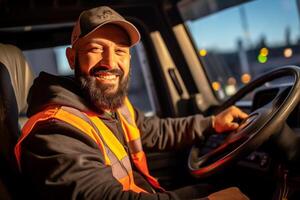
x,y
92,19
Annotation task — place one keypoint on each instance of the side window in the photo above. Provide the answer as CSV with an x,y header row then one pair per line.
x,y
141,88
141,92
239,43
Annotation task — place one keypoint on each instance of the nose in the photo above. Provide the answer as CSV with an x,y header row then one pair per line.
x,y
108,58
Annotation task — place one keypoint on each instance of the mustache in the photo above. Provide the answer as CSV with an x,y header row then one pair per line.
x,y
102,69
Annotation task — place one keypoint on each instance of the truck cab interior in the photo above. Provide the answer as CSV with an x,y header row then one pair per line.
x,y
195,57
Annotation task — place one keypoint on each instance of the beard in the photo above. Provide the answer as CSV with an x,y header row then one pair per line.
x,y
100,95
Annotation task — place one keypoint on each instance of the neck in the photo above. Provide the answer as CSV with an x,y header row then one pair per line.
x,y
108,110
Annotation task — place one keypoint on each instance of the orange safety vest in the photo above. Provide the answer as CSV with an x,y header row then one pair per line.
x,y
113,151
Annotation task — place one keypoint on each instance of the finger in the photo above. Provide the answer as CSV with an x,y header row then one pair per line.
x,y
232,126
237,113
242,115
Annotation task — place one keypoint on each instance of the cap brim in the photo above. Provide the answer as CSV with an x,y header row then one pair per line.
x,y
127,26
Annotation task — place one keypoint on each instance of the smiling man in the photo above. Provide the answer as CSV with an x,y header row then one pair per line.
x,y
101,63
84,139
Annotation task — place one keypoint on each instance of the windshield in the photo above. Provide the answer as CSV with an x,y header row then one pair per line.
x,y
238,43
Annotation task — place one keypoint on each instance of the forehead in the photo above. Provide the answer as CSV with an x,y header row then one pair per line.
x,y
109,32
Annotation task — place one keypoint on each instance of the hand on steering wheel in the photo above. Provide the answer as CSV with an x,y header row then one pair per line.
x,y
225,121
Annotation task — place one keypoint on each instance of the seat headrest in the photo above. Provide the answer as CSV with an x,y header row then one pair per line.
x,y
20,73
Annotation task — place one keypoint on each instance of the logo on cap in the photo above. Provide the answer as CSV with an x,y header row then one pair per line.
x,y
106,14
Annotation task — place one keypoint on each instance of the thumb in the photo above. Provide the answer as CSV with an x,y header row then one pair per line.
x,y
226,127
233,126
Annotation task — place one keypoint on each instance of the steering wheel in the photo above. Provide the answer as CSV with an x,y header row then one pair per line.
x,y
253,131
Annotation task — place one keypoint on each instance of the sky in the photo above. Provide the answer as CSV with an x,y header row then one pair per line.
x,y
264,17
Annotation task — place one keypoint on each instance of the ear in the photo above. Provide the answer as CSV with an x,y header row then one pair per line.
x,y
70,53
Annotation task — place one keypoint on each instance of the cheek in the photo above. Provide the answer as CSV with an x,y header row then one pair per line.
x,y
88,61
124,63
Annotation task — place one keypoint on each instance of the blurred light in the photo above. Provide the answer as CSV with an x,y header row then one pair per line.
x,y
230,90
203,52
264,51
262,59
246,78
288,52
216,85
231,81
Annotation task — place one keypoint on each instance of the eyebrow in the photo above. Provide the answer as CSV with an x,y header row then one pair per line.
x,y
119,43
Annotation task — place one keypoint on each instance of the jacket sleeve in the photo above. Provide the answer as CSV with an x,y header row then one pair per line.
x,y
63,163
169,133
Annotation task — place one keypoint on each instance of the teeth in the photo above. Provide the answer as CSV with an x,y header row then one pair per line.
x,y
108,77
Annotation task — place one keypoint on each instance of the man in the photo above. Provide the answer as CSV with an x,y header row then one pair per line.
x,y
84,138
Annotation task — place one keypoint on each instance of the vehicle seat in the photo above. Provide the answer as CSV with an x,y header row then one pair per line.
x,y
16,78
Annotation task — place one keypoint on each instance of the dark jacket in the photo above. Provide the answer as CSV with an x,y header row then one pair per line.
x,y
61,162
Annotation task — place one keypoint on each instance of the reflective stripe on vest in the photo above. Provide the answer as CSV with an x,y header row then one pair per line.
x,y
132,135
112,150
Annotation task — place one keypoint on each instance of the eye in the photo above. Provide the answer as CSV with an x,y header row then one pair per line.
x,y
96,50
121,51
